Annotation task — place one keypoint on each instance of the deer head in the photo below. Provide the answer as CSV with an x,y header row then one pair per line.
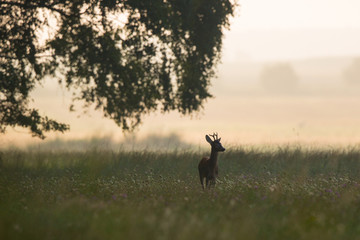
x,y
215,144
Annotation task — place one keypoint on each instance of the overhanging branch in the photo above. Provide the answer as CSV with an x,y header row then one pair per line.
x,y
34,6
15,58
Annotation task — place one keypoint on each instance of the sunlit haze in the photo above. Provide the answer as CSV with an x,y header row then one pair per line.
x,y
290,29
318,39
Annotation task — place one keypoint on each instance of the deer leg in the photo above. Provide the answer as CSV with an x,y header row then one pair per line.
x,y
210,182
213,182
202,181
201,175
207,182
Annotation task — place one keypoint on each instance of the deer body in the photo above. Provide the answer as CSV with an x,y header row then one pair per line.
x,y
208,167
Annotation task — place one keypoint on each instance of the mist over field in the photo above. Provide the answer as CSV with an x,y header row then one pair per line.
x,y
156,143
308,101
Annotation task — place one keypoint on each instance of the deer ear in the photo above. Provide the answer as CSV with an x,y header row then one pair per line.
x,y
208,139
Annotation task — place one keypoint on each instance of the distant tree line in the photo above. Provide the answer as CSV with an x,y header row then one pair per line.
x,y
352,72
279,77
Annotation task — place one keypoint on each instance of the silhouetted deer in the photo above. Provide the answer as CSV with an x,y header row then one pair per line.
x,y
208,167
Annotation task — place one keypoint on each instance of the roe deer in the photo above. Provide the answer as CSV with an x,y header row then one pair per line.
x,y
208,167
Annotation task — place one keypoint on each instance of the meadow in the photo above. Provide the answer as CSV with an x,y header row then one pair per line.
x,y
262,193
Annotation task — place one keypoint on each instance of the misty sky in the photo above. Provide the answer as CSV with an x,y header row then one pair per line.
x,y
293,29
290,14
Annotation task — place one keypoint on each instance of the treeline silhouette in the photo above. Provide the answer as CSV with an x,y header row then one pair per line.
x,y
152,142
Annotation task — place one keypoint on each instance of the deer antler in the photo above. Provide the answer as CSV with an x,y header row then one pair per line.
x,y
214,136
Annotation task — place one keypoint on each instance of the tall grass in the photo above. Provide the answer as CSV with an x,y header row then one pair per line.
x,y
283,193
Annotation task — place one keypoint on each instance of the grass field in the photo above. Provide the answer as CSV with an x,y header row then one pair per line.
x,y
269,193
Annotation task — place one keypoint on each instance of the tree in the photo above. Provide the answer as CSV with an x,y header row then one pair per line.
x,y
352,73
280,77
124,57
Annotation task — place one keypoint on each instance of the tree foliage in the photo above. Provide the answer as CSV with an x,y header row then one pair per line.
x,y
124,57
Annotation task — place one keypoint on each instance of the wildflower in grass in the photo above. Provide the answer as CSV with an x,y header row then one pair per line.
x,y
114,197
17,228
232,202
124,195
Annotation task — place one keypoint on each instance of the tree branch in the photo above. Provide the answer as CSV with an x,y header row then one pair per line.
x,y
34,6
15,58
